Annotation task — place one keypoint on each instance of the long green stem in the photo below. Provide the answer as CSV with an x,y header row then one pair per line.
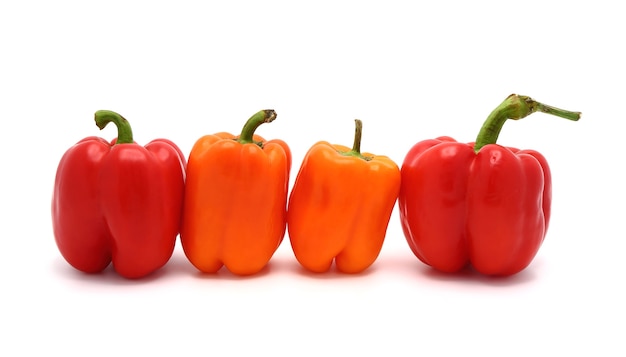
x,y
263,116
515,107
358,132
356,146
124,132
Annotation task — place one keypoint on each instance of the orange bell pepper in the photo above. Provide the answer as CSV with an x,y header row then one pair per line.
x,y
340,206
235,203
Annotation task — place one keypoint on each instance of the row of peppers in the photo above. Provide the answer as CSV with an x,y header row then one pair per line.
x,y
474,204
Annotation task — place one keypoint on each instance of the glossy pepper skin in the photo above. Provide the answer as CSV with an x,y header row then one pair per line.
x,y
340,206
235,203
118,202
478,204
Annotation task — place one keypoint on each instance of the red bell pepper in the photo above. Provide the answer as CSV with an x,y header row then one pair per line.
x,y
118,202
481,204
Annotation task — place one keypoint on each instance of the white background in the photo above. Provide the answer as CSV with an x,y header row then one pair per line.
x,y
410,71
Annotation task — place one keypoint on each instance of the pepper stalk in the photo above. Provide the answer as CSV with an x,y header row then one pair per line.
x,y
356,146
124,131
261,117
515,107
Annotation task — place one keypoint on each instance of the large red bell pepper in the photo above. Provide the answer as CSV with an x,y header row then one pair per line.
x,y
481,204
118,202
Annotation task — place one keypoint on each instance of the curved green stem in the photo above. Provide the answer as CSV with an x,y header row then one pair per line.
x,y
124,132
263,116
515,107
356,146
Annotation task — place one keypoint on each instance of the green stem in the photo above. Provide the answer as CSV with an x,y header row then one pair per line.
x,y
515,107
356,146
358,132
124,132
263,116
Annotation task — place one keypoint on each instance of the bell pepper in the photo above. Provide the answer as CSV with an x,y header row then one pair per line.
x,y
118,202
234,212
340,206
478,204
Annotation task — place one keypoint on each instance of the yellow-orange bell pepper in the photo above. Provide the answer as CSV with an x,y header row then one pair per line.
x,y
340,206
235,203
